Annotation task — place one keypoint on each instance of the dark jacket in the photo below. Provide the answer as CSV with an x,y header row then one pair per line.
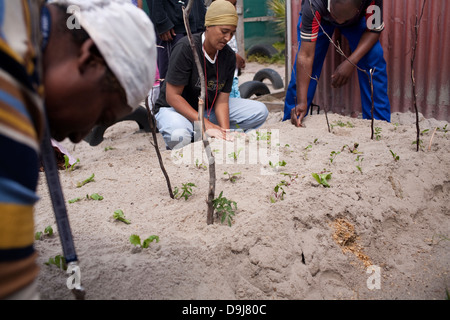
x,y
168,14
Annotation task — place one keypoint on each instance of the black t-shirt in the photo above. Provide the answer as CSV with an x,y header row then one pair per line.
x,y
182,70
316,11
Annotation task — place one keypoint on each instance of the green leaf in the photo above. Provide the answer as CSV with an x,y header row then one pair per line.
x,y
322,178
75,200
135,240
150,240
118,215
66,162
82,183
38,235
316,176
48,231
96,196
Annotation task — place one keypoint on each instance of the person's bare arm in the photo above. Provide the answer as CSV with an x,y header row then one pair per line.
x,y
305,60
344,71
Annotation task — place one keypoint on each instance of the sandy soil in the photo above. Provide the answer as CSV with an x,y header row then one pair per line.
x,y
389,217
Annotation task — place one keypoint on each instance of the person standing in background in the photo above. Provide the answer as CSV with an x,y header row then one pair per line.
x,y
167,17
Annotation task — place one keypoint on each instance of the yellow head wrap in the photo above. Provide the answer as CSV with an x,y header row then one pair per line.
x,y
221,13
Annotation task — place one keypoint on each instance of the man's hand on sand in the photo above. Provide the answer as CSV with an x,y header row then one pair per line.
x,y
297,115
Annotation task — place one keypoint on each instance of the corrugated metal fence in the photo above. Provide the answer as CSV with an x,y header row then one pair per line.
x,y
432,64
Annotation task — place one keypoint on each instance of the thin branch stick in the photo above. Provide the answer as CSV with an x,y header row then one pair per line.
x,y
152,123
413,77
201,112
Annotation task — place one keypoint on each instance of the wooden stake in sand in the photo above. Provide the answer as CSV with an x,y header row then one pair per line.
x,y
152,123
201,119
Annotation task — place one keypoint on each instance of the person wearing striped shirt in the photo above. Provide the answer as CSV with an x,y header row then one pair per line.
x,y
55,72
361,22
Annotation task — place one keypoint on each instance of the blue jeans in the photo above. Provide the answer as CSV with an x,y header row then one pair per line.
x,y
373,59
178,131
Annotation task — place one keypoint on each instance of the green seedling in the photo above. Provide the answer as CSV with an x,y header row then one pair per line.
x,y
420,143
278,164
305,152
359,159
120,216
225,208
322,178
48,231
75,200
333,156
187,191
292,176
94,196
395,156
82,183
58,261
67,165
353,149
232,176
136,241
279,192
109,148
261,136
342,124
424,131
444,129
199,165
235,155
377,132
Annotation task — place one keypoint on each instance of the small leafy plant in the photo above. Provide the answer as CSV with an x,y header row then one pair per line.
x,y
359,160
109,148
136,241
264,136
187,191
278,190
48,231
235,155
225,208
82,183
420,143
58,261
305,152
395,156
94,196
278,164
333,155
444,129
67,165
120,216
377,132
199,165
75,200
353,149
341,124
232,177
322,178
